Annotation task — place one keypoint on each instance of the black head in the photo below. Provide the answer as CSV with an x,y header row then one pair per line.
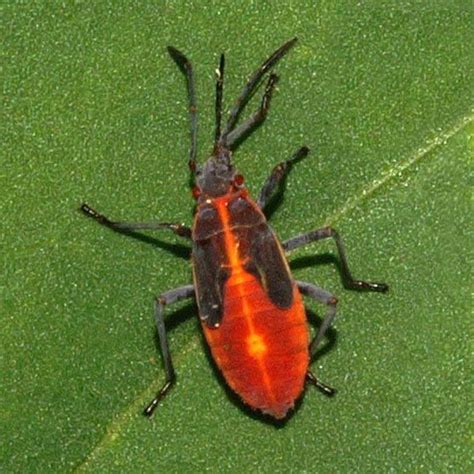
x,y
217,177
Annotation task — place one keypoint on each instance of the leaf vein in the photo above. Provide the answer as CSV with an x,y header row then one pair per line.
x,y
419,154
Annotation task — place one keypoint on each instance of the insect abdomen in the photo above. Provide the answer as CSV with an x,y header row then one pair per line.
x,y
262,350
251,311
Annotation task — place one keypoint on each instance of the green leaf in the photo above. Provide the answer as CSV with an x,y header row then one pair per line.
x,y
95,110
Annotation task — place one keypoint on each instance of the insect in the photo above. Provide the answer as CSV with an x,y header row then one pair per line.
x,y
250,306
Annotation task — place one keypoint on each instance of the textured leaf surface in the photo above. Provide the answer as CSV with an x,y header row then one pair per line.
x,y
94,110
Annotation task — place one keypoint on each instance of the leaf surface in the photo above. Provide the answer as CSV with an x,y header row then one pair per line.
x,y
95,110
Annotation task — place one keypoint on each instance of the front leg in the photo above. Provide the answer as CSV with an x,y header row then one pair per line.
x,y
277,175
178,229
326,233
257,117
169,297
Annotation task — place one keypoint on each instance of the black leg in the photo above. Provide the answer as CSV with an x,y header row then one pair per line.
x,y
250,86
186,67
178,229
278,173
326,389
166,298
258,117
322,296
326,233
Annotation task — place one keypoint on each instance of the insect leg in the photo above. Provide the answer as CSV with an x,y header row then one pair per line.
x,y
328,299
178,229
326,389
326,233
250,86
277,175
186,67
257,117
166,298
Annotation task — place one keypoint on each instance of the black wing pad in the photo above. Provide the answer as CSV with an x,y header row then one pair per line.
x,y
269,265
210,278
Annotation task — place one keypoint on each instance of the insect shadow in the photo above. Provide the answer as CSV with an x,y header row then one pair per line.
x,y
324,259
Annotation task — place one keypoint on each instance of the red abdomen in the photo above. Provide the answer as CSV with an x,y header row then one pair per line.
x,y
251,311
262,350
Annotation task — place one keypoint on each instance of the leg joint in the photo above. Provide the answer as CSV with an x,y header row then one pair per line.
x,y
329,231
160,300
333,301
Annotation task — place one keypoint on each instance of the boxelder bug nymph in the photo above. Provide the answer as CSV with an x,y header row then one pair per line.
x,y
250,306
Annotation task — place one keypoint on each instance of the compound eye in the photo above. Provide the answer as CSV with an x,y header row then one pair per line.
x,y
238,180
196,191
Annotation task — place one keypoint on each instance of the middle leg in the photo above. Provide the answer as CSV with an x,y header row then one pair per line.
x,y
178,229
326,233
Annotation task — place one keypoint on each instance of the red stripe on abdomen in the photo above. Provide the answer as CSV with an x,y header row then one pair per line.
x,y
262,350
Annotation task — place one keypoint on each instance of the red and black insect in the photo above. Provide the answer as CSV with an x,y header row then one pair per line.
x,y
250,306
